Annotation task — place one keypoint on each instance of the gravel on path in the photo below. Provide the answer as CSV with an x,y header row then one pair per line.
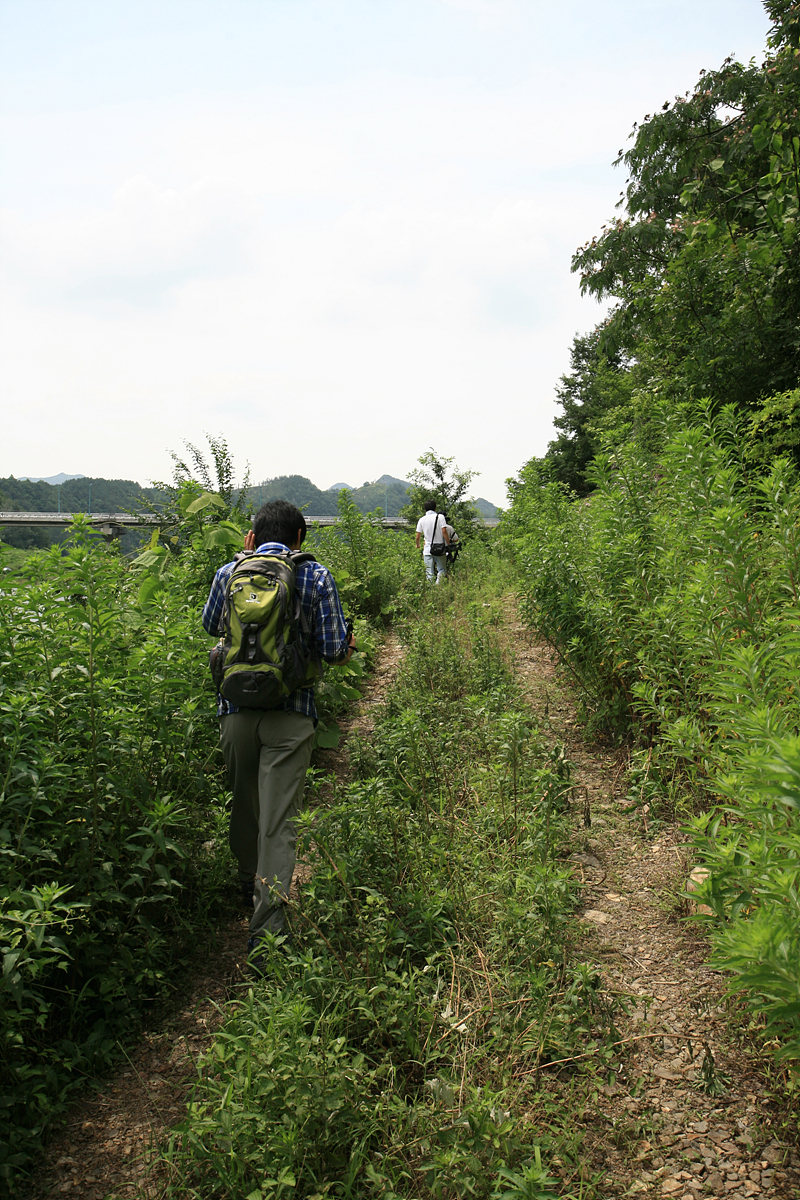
x,y
658,1131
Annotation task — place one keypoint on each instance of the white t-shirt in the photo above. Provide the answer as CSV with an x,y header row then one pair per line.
x,y
425,526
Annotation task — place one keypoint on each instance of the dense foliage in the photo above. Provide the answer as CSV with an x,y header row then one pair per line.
x,y
703,266
673,595
110,787
112,797
658,538
395,1048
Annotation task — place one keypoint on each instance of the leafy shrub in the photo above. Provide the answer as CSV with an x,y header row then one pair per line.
x,y
672,596
109,786
427,959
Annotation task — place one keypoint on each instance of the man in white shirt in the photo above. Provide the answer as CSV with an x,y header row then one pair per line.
x,y
431,531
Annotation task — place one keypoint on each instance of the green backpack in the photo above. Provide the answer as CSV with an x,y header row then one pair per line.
x,y
263,655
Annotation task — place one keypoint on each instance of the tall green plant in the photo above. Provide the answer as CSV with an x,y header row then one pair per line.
x,y
672,596
428,962
373,566
108,782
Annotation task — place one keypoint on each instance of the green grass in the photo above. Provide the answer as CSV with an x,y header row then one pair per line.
x,y
397,1046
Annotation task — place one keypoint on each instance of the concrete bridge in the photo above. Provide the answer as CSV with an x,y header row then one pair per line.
x,y
113,525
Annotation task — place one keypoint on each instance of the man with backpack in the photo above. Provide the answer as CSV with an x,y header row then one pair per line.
x,y
279,615
453,540
432,531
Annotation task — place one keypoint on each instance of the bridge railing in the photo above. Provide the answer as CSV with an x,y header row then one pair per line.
x,y
113,525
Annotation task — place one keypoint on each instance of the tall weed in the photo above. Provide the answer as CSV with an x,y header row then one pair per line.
x,y
108,786
671,595
428,964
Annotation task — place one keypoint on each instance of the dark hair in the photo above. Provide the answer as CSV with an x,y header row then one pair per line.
x,y
430,506
279,521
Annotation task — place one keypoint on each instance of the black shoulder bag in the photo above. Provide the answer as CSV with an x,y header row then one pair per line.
x,y
437,548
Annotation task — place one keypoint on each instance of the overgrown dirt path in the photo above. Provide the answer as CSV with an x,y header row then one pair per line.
x,y
649,1129
108,1136
658,1133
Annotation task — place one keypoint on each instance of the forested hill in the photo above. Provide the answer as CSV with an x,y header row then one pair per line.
x,y
388,494
125,495
702,267
106,495
76,496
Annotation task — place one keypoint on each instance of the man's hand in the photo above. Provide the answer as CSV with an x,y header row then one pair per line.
x,y
419,535
250,541
351,649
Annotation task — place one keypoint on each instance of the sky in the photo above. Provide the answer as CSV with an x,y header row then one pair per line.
x,y
335,232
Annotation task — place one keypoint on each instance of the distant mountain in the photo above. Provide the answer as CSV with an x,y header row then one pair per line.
x,y
388,493
384,479
297,489
54,479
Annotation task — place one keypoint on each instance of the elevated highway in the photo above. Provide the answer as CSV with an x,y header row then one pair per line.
x,y
113,525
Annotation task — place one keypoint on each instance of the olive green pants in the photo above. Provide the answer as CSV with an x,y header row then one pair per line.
x,y
267,755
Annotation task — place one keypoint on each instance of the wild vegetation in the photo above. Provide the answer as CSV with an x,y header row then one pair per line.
x,y
397,1048
430,978
400,1048
110,788
113,800
657,539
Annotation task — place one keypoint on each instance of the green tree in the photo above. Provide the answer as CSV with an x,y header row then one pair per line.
x,y
437,479
598,385
705,262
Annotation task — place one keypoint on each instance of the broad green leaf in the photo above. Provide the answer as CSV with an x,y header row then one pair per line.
x,y
328,736
222,535
149,588
150,558
205,501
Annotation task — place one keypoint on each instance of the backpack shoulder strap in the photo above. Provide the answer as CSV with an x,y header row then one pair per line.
x,y
299,557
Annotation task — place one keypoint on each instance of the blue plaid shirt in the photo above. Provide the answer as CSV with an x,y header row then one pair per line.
x,y
323,611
